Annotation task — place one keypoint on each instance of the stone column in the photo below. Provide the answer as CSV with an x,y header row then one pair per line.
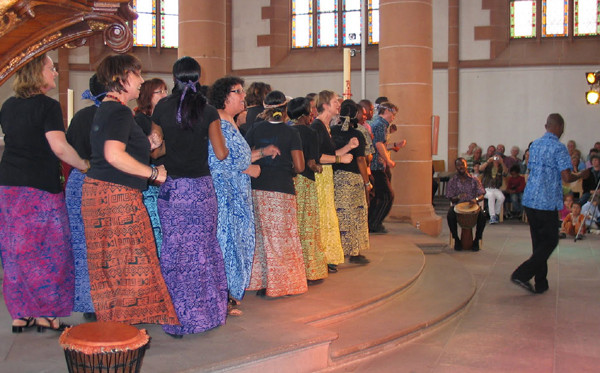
x,y
202,35
405,77
453,96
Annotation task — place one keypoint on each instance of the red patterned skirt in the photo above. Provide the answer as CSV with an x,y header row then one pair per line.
x,y
278,265
126,283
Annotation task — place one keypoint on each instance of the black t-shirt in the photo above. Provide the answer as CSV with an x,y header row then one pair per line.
x,y
341,138
310,148
78,133
326,145
28,159
144,121
114,121
186,150
251,118
276,175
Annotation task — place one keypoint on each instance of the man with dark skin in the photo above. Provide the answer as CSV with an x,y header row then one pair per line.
x,y
464,188
549,164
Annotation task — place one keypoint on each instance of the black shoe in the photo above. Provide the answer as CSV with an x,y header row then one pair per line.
x,y
359,259
176,336
50,320
475,246
524,284
261,292
89,316
457,245
562,235
29,322
314,282
540,289
332,268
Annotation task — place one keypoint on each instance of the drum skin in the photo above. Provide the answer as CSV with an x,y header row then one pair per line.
x,y
466,214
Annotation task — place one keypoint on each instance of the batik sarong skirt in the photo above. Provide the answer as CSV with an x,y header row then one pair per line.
x,y
83,298
307,204
278,265
36,253
126,283
191,259
150,196
352,211
330,230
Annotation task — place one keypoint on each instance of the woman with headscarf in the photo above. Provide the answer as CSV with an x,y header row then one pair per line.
x,y
351,186
278,267
126,282
328,106
315,262
78,135
36,254
231,178
191,258
151,92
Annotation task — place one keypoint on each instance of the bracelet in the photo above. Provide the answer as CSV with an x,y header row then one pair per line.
x,y
261,152
337,159
367,184
87,162
153,175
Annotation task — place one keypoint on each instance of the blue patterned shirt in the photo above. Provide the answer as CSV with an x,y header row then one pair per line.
x,y
379,127
548,157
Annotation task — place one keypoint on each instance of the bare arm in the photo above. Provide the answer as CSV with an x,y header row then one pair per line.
x,y
157,144
268,151
568,177
217,140
64,151
383,153
353,143
298,159
116,156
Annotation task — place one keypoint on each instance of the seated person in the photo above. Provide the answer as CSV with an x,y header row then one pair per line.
x,y
494,172
475,159
591,211
567,204
476,171
589,184
515,185
464,188
574,223
513,158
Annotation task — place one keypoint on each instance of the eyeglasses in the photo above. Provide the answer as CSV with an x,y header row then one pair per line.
x,y
160,91
238,91
53,69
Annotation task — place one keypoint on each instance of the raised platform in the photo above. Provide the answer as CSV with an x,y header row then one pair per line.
x,y
354,313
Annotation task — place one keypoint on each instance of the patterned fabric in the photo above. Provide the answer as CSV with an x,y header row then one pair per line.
x,y
352,211
278,266
235,227
307,204
573,226
36,255
328,221
470,187
126,283
548,157
379,126
83,298
150,196
191,259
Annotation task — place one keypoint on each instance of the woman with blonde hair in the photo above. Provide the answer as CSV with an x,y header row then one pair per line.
x,y
34,240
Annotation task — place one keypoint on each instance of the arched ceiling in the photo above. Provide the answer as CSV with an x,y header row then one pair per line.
x,y
29,28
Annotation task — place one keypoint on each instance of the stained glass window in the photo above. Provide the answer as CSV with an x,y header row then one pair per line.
x,y
522,19
555,18
327,23
587,17
151,24
169,24
326,19
144,27
302,20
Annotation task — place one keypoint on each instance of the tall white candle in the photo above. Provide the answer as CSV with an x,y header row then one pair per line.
x,y
347,69
69,106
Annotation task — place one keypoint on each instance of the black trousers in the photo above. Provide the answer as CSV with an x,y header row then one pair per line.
x,y
452,224
381,204
543,226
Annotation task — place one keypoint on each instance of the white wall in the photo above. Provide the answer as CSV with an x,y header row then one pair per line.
x,y
247,25
440,31
510,105
471,15
440,107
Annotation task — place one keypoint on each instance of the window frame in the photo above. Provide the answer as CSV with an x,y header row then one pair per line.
x,y
158,27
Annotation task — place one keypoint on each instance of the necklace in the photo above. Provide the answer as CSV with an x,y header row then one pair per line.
x,y
115,98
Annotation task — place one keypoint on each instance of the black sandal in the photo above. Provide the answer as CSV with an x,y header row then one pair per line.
x,y
61,327
29,322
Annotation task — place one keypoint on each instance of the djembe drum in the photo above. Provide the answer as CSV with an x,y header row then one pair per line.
x,y
466,216
109,347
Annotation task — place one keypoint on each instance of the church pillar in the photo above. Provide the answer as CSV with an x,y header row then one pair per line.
x,y
405,77
453,96
202,35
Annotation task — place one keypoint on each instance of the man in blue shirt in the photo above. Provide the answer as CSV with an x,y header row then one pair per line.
x,y
549,163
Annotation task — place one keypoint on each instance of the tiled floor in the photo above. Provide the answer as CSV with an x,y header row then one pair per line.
x,y
506,329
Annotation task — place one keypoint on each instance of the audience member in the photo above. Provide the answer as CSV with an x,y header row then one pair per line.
x,y
574,223
515,186
568,200
491,151
590,183
591,211
513,158
494,172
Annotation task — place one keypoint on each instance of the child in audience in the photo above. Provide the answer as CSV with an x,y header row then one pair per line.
x,y
515,186
574,223
567,203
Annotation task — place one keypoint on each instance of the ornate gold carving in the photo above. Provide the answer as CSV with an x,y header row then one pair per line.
x,y
8,22
6,4
29,51
96,25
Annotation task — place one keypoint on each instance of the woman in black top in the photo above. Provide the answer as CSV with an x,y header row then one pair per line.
x,y
351,186
126,282
278,267
34,239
